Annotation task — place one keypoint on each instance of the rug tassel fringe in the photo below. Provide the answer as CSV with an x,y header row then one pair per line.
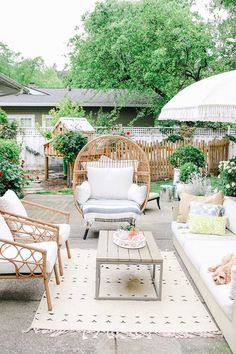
x,y
122,335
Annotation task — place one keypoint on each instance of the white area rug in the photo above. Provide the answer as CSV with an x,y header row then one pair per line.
x,y
180,313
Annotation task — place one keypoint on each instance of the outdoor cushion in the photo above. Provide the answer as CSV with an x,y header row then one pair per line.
x,y
182,234
107,162
206,209
7,267
230,213
83,192
11,203
110,209
211,225
186,198
201,252
64,232
110,183
5,232
221,292
137,193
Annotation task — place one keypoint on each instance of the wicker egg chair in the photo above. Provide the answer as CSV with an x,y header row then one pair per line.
x,y
109,151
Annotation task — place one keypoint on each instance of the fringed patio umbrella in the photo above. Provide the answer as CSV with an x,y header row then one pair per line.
x,y
212,99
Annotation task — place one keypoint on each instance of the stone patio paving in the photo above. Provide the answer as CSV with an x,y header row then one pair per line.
x,y
19,300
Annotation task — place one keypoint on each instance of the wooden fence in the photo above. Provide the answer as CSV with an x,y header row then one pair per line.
x,y
215,151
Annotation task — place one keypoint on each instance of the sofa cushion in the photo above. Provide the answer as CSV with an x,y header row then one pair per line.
x,y
83,192
230,213
5,232
201,252
11,203
211,225
182,234
109,209
7,267
186,199
110,183
221,293
206,209
137,193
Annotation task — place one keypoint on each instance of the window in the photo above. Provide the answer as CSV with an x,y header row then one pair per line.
x,y
46,121
23,120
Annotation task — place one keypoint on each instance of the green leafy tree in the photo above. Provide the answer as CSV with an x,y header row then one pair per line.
x,y
27,71
151,46
66,108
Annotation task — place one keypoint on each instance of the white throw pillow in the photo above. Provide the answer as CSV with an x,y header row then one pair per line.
x,y
110,183
83,192
137,193
230,213
11,203
5,232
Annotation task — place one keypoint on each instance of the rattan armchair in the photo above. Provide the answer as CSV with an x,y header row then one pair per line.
x,y
32,257
61,240
111,151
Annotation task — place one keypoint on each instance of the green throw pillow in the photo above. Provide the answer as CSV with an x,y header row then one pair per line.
x,y
211,225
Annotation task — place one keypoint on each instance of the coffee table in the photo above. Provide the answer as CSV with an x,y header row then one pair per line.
x,y
109,253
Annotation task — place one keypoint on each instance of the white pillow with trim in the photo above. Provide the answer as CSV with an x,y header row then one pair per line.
x,y
11,203
110,183
137,193
83,192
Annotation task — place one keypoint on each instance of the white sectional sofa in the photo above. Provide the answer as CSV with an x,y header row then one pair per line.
x,y
198,252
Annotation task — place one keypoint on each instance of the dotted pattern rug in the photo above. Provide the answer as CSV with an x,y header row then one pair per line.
x,y
180,313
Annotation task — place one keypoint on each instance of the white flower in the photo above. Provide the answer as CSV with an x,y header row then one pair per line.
x,y
227,186
233,184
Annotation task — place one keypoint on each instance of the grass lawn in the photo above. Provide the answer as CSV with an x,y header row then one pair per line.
x,y
155,187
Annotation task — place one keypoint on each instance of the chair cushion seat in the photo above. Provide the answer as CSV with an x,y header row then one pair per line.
x,y
64,232
19,254
153,195
110,209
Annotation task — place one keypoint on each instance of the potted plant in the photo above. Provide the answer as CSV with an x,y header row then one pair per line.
x,y
183,154
191,180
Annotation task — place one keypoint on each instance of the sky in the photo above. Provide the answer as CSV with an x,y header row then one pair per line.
x,y
44,27
41,27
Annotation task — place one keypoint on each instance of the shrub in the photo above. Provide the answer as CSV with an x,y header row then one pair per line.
x,y
187,153
69,144
9,150
8,130
227,177
187,170
13,176
174,137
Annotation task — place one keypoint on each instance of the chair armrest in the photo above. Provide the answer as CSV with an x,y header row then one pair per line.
x,y
35,259
56,211
30,230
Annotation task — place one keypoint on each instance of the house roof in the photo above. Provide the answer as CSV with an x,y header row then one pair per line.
x,y
9,86
71,123
50,97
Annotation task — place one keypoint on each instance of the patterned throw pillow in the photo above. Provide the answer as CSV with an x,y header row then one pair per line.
x,y
211,225
205,209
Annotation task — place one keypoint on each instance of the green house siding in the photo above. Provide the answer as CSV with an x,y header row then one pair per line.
x,y
127,114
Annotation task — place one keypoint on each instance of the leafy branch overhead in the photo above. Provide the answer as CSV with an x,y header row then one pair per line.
x,y
151,46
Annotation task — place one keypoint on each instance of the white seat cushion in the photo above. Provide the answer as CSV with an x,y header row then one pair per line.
x,y
110,209
183,235
7,267
5,232
221,292
64,233
11,203
110,183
